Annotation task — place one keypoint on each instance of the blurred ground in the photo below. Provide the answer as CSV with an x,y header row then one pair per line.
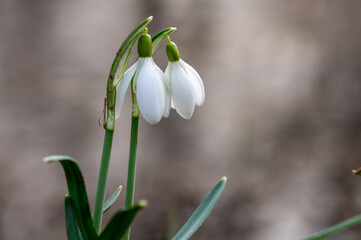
x,y
282,116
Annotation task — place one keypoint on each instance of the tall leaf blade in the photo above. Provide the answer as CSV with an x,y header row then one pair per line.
x,y
112,199
202,212
77,193
120,222
158,38
348,223
70,221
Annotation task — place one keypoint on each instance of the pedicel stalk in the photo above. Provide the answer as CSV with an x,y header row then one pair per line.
x,y
154,93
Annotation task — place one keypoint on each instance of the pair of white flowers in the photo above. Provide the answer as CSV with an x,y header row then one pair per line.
x,y
180,87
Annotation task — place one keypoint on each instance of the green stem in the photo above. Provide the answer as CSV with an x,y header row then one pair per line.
x,y
132,160
129,198
102,180
336,228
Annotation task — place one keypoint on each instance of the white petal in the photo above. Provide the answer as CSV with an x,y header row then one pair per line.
x,y
122,89
139,66
150,92
166,90
167,70
196,81
182,91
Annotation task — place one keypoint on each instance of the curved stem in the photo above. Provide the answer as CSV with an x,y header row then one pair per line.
x,y
102,180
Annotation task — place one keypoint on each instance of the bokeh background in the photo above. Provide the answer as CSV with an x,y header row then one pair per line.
x,y
282,116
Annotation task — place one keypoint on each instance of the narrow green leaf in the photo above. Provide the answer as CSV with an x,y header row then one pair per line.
x,y
158,38
112,199
70,221
77,193
121,221
201,213
335,229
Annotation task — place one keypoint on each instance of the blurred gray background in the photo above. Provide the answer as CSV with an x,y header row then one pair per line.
x,y
282,116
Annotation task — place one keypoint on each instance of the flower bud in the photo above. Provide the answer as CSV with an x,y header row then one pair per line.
x,y
145,45
172,52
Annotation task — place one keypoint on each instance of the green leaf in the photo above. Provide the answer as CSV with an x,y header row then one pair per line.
x,y
335,229
121,221
77,193
158,38
70,221
112,199
201,213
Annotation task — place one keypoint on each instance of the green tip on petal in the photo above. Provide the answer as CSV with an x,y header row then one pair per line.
x,y
145,45
172,51
224,179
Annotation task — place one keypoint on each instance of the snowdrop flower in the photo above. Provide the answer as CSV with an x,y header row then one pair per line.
x,y
149,84
186,85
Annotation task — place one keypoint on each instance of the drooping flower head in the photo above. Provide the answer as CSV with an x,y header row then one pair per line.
x,y
185,84
150,85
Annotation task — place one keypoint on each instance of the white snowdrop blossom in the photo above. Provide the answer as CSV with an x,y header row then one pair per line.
x,y
150,86
186,85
